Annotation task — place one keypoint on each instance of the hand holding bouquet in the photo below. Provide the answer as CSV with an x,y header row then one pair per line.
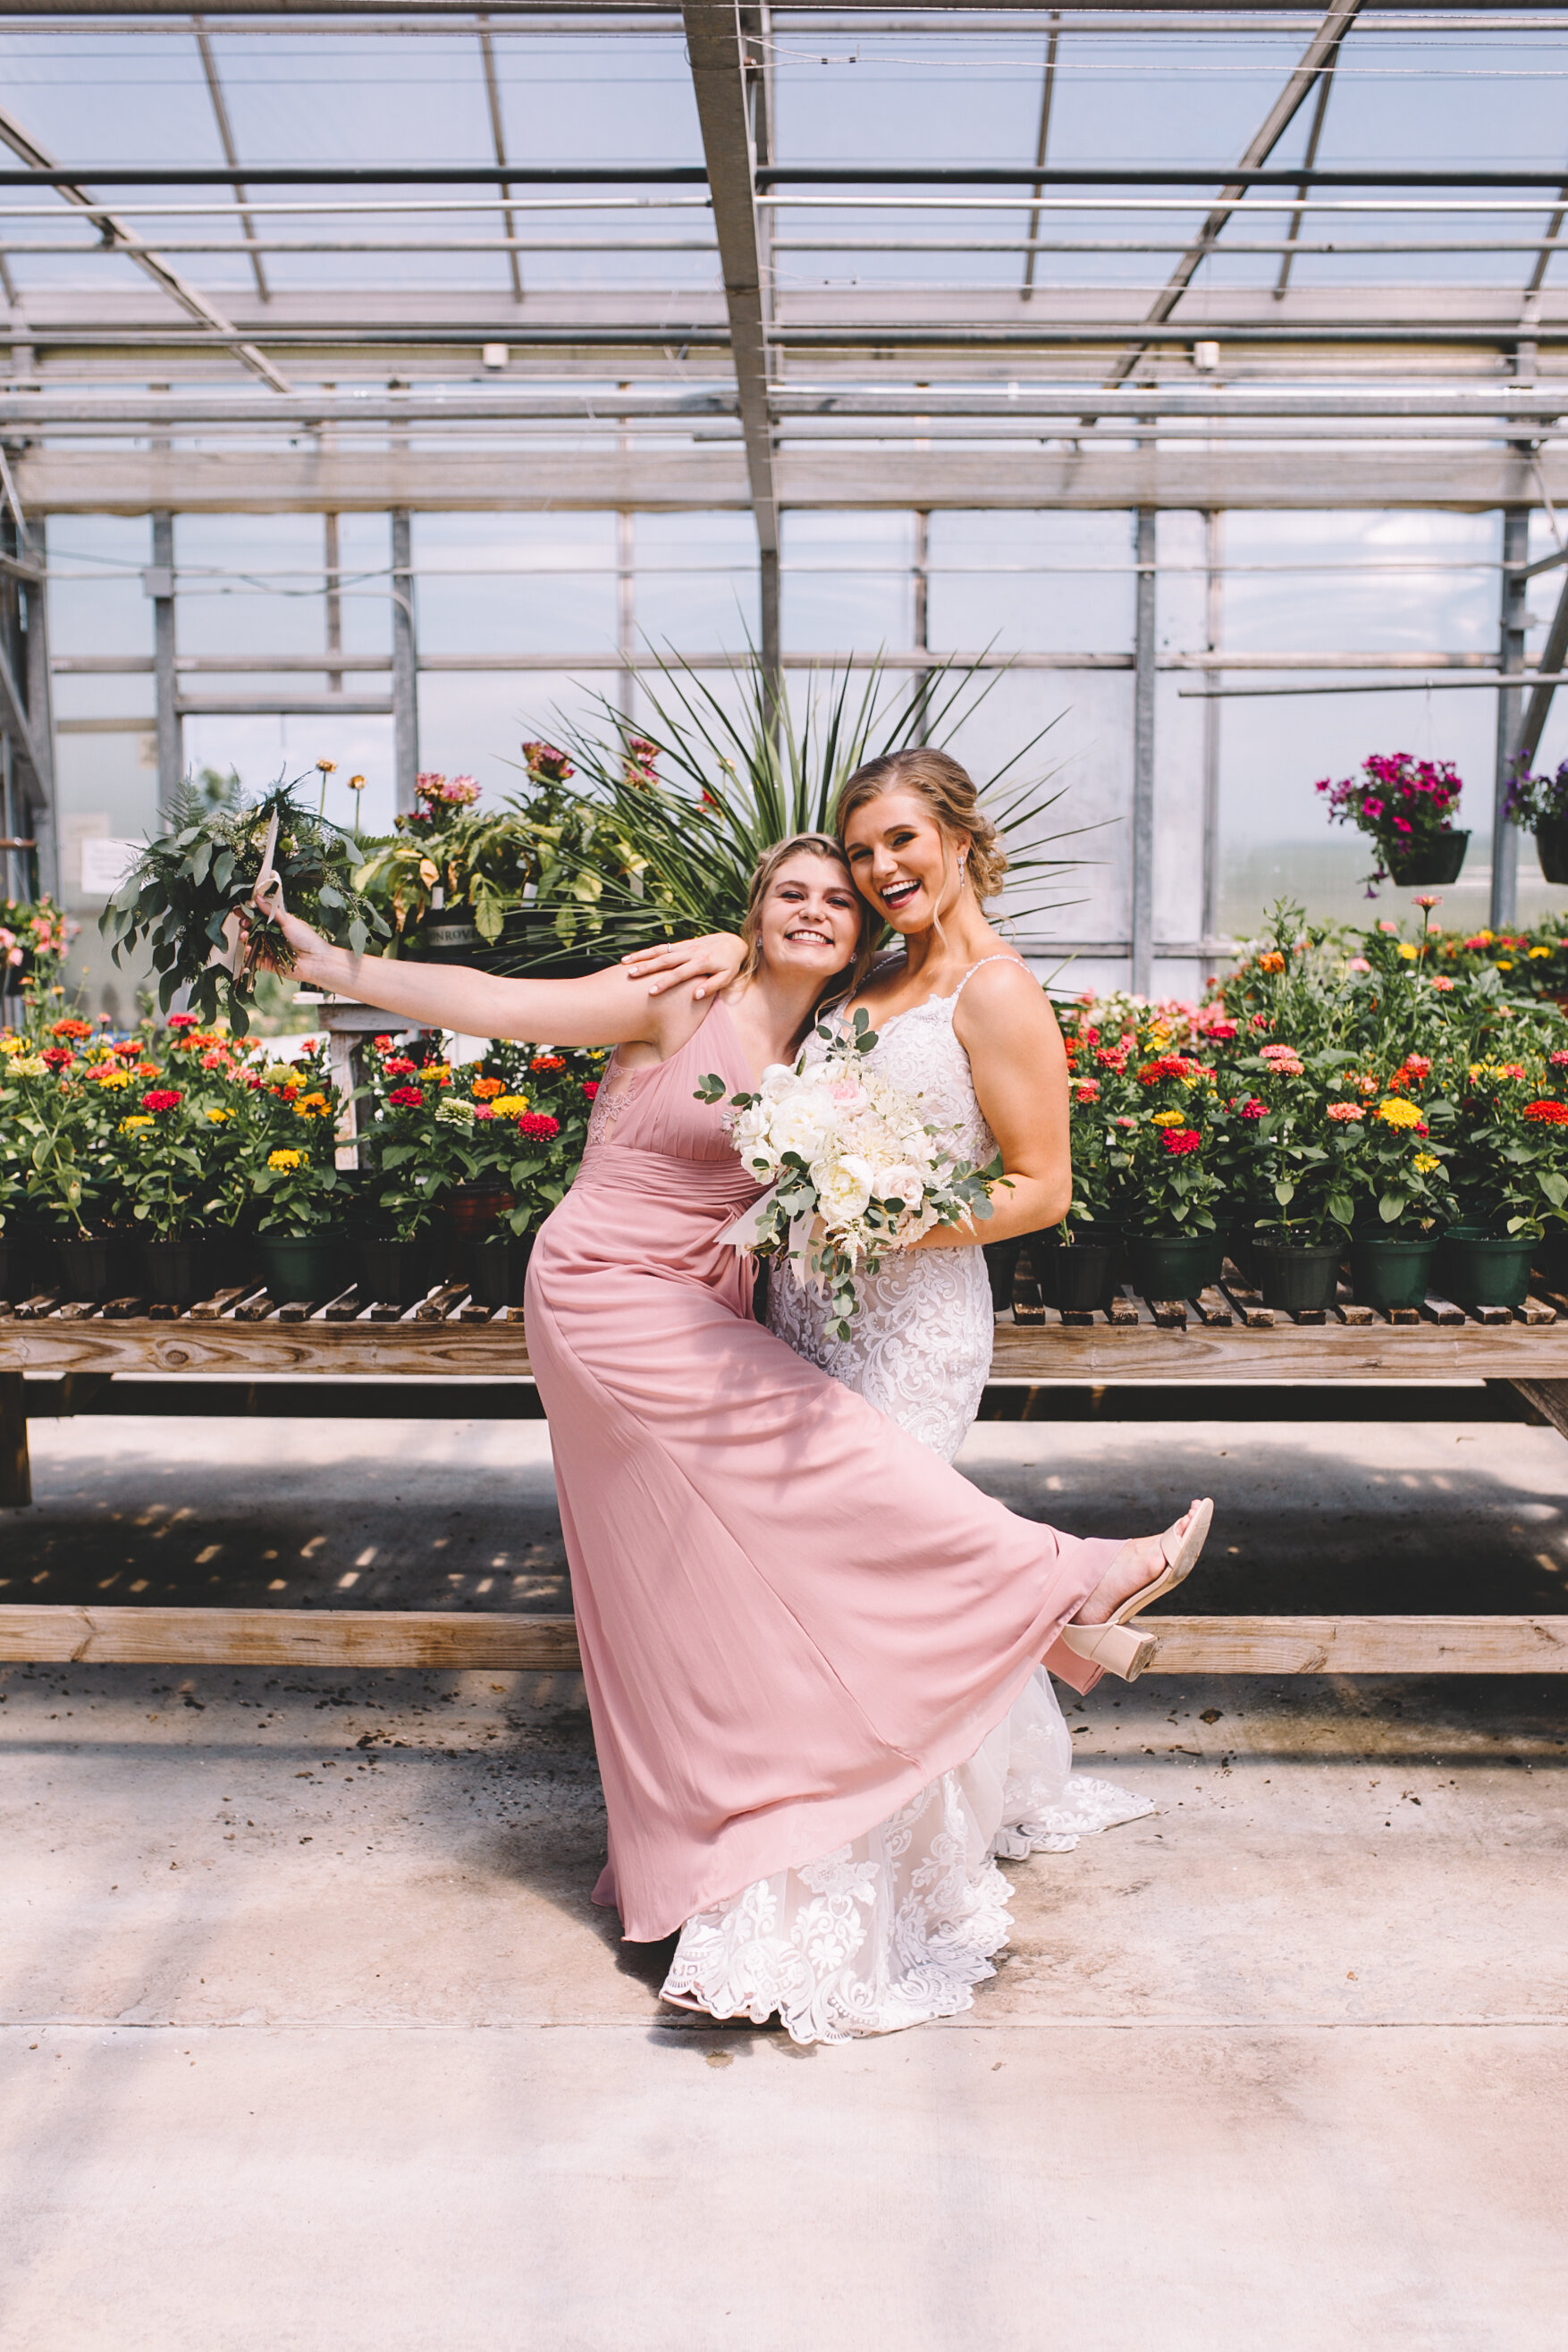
x,y
855,1172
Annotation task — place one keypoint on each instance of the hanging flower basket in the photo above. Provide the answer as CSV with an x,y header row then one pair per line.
x,y
1405,805
1438,860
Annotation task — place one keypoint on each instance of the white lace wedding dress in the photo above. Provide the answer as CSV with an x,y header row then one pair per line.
x,y
898,1927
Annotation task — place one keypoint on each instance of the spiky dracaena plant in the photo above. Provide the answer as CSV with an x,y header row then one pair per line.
x,y
687,806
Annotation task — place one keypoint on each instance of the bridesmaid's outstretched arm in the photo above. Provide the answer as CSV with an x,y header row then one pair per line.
x,y
603,1008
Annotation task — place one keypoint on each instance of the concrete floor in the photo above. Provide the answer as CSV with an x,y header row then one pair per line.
x,y
311,2038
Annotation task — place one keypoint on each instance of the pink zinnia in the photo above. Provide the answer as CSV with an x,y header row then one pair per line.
x,y
1180,1139
161,1098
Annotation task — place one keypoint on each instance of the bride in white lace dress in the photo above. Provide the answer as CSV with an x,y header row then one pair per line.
x,y
899,1926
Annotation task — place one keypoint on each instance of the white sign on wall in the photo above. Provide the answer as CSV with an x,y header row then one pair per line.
x,y
105,862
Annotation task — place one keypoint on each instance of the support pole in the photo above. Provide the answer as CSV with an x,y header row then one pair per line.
x,y
44,821
404,666
1142,925
1510,702
161,588
1214,629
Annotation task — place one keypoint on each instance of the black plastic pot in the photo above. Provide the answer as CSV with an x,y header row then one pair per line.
x,y
1172,1266
29,1261
1001,1265
1439,861
501,1268
1076,1275
97,1265
304,1265
1298,1278
1551,848
1390,1270
178,1273
1477,1268
396,1273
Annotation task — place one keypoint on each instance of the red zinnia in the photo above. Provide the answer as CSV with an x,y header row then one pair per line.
x,y
182,1020
399,1067
590,1087
382,1045
1179,1140
1551,1114
406,1099
59,1057
161,1098
538,1126
548,1062
1254,1108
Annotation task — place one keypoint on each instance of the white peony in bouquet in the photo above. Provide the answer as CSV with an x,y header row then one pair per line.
x,y
854,1173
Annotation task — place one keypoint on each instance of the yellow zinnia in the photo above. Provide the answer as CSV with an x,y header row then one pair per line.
x,y
1394,1111
218,1115
1408,951
137,1119
1423,1162
1164,1117
110,1076
1538,951
284,1159
509,1106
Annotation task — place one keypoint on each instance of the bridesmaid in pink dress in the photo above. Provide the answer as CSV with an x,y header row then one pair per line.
x,y
792,1616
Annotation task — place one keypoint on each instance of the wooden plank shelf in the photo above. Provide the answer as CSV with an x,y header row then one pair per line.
x,y
374,1638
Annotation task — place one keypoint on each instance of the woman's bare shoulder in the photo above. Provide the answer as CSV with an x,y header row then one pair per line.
x,y
1003,990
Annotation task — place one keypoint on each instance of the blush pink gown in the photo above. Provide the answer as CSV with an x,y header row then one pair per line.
x,y
792,1615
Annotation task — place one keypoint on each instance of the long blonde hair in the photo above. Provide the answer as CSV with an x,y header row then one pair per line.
x,y
764,876
948,792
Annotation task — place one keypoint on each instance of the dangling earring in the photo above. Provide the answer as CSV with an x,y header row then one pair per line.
x,y
962,853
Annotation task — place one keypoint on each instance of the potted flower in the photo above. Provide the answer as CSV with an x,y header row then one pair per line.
x,y
419,1146
1398,1176
1510,1167
282,1150
1298,1156
161,1173
1163,1166
1405,805
1538,804
534,1105
1077,1261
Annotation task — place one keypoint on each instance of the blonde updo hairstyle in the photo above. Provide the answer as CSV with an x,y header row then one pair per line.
x,y
949,792
766,872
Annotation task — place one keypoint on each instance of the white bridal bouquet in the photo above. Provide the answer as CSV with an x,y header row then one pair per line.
x,y
854,1172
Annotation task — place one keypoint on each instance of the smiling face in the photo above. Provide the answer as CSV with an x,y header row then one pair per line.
x,y
810,916
902,861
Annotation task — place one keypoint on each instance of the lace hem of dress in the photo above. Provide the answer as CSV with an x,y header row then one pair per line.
x,y
899,1926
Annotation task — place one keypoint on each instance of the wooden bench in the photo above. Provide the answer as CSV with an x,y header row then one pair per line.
x,y
1225,1336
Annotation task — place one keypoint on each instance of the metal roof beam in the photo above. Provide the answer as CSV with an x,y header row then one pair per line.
x,y
716,48
1320,56
220,116
194,303
498,135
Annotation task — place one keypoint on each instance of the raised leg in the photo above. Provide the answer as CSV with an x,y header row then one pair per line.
x,y
15,1470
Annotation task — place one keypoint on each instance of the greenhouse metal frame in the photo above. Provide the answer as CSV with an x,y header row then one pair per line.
x,y
1063,329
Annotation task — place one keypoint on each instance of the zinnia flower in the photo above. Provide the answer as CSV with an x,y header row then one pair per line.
x,y
1345,1113
398,1065
72,1029
1550,1114
538,1126
284,1159
382,1045
1425,1161
406,1099
57,1057
1180,1139
1276,1053
1394,1111
161,1099
135,1119
1271,961
1086,1093
509,1106
1358,963
183,1021
217,1114
486,1089
1253,1107
1444,987
548,1062
1165,1119
107,1075
438,1074
591,1087
1409,950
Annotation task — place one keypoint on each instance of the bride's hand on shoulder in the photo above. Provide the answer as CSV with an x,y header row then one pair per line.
x,y
712,962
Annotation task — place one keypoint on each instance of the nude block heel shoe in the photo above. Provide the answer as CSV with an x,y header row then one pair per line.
x,y
1116,1645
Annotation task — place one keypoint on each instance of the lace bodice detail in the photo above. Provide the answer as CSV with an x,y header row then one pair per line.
x,y
919,1346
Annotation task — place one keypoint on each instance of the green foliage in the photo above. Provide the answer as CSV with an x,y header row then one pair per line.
x,y
190,886
663,842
